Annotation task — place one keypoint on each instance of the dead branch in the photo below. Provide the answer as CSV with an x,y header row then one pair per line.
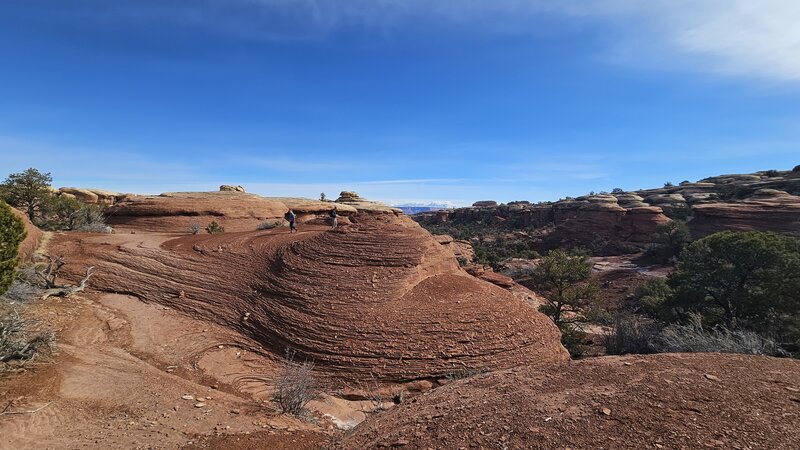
x,y
5,410
65,290
49,274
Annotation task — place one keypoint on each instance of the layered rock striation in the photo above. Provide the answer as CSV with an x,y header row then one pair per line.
x,y
379,297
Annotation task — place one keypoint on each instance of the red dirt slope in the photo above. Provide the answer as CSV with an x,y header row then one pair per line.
x,y
34,235
656,401
380,296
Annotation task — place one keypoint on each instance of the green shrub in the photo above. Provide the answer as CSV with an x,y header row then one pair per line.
x,y
741,280
651,298
26,190
64,213
669,240
772,173
215,228
560,276
573,339
12,233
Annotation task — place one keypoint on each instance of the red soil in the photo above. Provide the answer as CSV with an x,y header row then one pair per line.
x,y
32,238
654,401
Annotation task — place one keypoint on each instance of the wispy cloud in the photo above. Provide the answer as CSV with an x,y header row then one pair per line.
x,y
415,181
754,38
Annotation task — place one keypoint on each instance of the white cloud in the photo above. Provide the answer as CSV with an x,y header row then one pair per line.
x,y
758,38
755,38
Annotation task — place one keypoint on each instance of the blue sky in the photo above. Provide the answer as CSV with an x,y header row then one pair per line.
x,y
403,101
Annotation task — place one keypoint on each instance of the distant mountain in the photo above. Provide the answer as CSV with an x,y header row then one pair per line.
x,y
414,208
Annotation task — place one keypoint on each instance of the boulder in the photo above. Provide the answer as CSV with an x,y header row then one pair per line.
x,y
84,195
231,188
351,198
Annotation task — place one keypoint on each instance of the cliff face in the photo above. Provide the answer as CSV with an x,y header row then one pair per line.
x,y
622,221
586,221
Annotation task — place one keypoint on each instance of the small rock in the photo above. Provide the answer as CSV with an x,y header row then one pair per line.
x,y
199,405
711,377
235,411
791,389
188,397
606,411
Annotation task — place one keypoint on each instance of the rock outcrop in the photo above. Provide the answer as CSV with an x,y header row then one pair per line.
x,y
236,211
350,198
625,221
97,196
231,188
598,221
378,298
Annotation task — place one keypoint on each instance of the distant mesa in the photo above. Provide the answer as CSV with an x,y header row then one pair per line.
x,y
623,222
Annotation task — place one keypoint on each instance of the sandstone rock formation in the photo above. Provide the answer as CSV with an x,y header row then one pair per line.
x,y
597,221
484,204
234,210
350,198
89,195
462,250
231,188
379,298
624,221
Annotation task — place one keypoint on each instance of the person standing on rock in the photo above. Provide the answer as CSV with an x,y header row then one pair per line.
x,y
291,218
334,214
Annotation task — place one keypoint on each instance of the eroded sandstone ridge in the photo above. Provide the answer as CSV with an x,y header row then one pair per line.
x,y
377,297
619,221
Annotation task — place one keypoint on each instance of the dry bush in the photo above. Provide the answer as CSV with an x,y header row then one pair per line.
x,y
693,338
630,334
194,227
95,227
295,385
18,343
460,373
268,225
22,291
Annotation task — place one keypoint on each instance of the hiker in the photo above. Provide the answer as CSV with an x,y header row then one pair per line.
x,y
291,218
334,214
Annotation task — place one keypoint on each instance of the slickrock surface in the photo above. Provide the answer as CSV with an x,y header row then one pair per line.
x,y
173,212
654,401
379,297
